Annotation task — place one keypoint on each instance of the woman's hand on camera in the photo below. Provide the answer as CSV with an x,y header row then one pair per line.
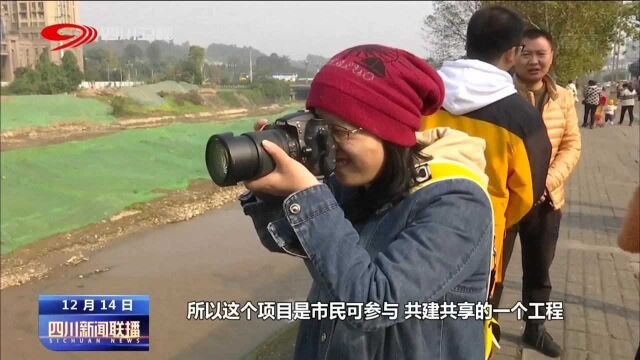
x,y
288,176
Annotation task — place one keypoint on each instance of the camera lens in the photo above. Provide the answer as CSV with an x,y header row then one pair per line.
x,y
305,138
219,164
231,159
226,169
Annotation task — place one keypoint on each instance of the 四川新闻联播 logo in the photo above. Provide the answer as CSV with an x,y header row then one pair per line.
x,y
94,322
52,32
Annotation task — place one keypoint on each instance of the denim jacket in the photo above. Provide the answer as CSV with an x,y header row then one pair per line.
x,y
434,246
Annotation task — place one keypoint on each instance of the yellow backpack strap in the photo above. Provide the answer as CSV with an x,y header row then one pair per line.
x,y
439,170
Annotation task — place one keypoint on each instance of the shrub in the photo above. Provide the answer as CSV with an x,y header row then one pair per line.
x,y
192,97
229,98
119,106
272,90
47,77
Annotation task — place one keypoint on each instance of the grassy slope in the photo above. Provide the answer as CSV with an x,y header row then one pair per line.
x,y
43,110
57,188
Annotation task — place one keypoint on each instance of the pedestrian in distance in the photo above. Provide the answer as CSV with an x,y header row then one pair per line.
x,y
609,111
600,109
572,87
591,100
627,101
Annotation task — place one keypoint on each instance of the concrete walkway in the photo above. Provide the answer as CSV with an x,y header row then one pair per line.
x,y
596,281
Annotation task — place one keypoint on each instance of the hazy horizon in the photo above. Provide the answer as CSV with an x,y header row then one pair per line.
x,y
294,29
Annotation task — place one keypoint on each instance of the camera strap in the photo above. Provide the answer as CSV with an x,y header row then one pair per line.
x,y
424,173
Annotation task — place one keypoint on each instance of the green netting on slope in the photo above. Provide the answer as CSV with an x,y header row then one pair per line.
x,y
57,188
148,94
42,110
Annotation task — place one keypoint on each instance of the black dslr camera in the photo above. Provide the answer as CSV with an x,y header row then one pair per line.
x,y
304,137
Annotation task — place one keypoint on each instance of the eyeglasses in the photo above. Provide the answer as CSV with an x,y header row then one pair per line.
x,y
340,133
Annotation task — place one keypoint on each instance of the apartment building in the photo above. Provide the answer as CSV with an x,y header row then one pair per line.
x,y
20,26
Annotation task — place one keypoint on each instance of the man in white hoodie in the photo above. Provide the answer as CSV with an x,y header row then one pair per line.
x,y
481,100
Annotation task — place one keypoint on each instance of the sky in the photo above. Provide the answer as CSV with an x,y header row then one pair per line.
x,y
286,28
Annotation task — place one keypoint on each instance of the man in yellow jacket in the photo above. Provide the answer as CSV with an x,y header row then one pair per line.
x,y
481,100
540,227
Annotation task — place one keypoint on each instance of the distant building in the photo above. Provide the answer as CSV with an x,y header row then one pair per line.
x,y
20,26
285,77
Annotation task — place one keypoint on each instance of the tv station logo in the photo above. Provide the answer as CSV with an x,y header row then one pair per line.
x,y
52,33
94,322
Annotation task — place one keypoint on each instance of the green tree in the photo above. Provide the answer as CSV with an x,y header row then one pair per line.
x,y
131,57
628,23
181,72
52,80
132,53
113,68
628,27
272,64
154,53
95,59
26,82
100,64
71,71
584,31
314,63
214,73
195,62
45,78
272,89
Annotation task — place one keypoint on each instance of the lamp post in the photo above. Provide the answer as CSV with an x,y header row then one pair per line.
x,y
250,67
233,71
306,71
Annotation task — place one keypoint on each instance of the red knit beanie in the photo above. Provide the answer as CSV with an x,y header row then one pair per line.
x,y
380,89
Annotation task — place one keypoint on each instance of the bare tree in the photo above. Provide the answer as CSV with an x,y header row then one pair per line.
x,y
445,30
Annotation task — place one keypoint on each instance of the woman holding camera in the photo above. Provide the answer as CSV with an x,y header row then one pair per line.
x,y
405,220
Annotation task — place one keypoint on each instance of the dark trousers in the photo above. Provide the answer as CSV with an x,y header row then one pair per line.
x,y
608,117
627,108
538,231
589,110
